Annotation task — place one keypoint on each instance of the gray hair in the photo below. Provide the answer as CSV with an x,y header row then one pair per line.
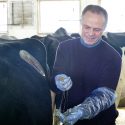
x,y
96,9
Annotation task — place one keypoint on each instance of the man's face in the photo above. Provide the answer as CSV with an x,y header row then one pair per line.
x,y
92,27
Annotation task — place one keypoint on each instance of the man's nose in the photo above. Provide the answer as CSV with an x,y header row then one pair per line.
x,y
91,32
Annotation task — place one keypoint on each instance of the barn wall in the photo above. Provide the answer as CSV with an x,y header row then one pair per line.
x,y
23,31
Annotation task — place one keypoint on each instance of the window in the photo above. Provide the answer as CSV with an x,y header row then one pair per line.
x,y
20,13
56,14
116,12
3,17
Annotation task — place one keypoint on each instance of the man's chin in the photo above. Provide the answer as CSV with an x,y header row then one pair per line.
x,y
90,42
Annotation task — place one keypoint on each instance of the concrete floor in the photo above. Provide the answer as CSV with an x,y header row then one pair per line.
x,y
121,119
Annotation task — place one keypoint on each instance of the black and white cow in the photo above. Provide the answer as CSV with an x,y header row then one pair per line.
x,y
116,40
24,92
51,42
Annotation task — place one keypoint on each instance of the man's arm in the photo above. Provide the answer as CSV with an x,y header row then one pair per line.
x,y
99,100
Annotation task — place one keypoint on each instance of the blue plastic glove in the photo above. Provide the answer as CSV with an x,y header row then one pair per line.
x,y
70,117
63,82
99,100
73,115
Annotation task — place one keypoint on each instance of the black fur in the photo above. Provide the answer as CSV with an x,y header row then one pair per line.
x,y
24,94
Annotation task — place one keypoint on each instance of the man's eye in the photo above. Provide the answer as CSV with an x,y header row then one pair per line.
x,y
87,27
97,30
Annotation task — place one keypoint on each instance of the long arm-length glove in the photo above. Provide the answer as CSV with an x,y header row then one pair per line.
x,y
99,100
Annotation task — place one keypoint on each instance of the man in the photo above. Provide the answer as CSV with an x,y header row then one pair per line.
x,y
82,66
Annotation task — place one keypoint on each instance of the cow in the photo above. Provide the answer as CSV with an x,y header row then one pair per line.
x,y
116,40
24,91
121,84
6,37
51,42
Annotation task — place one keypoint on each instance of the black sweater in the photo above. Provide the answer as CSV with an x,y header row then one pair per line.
x,y
89,68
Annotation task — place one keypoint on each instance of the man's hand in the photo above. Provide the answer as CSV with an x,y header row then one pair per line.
x,y
71,116
63,82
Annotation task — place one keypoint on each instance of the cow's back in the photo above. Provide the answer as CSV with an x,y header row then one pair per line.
x,y
24,92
